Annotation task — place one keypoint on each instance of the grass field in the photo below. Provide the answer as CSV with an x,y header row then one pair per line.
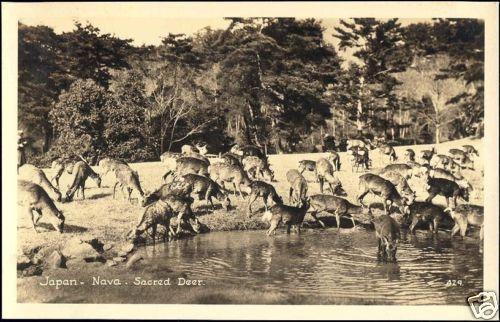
x,y
100,216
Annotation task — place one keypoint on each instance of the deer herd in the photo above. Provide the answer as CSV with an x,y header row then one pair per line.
x,y
248,168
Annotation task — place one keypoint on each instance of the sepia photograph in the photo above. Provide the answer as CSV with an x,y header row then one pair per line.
x,y
272,159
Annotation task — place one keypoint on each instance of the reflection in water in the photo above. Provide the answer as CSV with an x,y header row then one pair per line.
x,y
330,263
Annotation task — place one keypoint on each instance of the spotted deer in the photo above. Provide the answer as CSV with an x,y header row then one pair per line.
x,y
298,186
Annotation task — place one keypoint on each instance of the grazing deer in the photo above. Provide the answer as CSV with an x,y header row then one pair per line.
x,y
371,183
425,212
409,155
339,207
288,215
388,234
34,199
426,155
222,172
298,186
35,175
388,150
261,189
446,188
334,158
401,185
465,215
58,166
129,179
324,172
82,171
254,165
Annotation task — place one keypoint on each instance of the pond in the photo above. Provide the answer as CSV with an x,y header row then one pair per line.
x,y
329,263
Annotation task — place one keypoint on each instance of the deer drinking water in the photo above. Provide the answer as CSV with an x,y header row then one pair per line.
x,y
337,206
288,215
371,183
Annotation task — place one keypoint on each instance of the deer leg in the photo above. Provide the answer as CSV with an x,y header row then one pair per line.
x,y
251,199
179,219
82,188
337,219
114,189
353,222
272,228
313,214
30,211
211,202
454,230
436,225
361,196
288,229
321,182
290,195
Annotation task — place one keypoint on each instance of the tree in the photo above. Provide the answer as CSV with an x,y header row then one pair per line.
x,y
422,82
88,54
39,79
382,52
125,132
78,120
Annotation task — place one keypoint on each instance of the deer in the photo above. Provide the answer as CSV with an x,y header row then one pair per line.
x,y
426,155
264,190
129,179
425,212
371,183
256,167
36,202
109,165
157,213
456,177
446,188
307,165
388,150
355,143
288,215
339,207
188,149
185,165
298,186
324,173
58,166
409,155
359,157
252,150
470,150
29,172
388,234
205,188
406,170
465,215
222,172
334,158
401,185
232,158
82,171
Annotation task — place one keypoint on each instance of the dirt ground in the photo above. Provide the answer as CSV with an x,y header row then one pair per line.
x,y
100,216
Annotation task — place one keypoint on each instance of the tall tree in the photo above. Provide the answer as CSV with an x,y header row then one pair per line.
x,y
380,48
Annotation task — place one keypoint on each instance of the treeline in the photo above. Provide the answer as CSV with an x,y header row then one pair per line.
x,y
273,82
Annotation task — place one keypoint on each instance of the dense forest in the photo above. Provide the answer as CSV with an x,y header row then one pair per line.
x,y
272,82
